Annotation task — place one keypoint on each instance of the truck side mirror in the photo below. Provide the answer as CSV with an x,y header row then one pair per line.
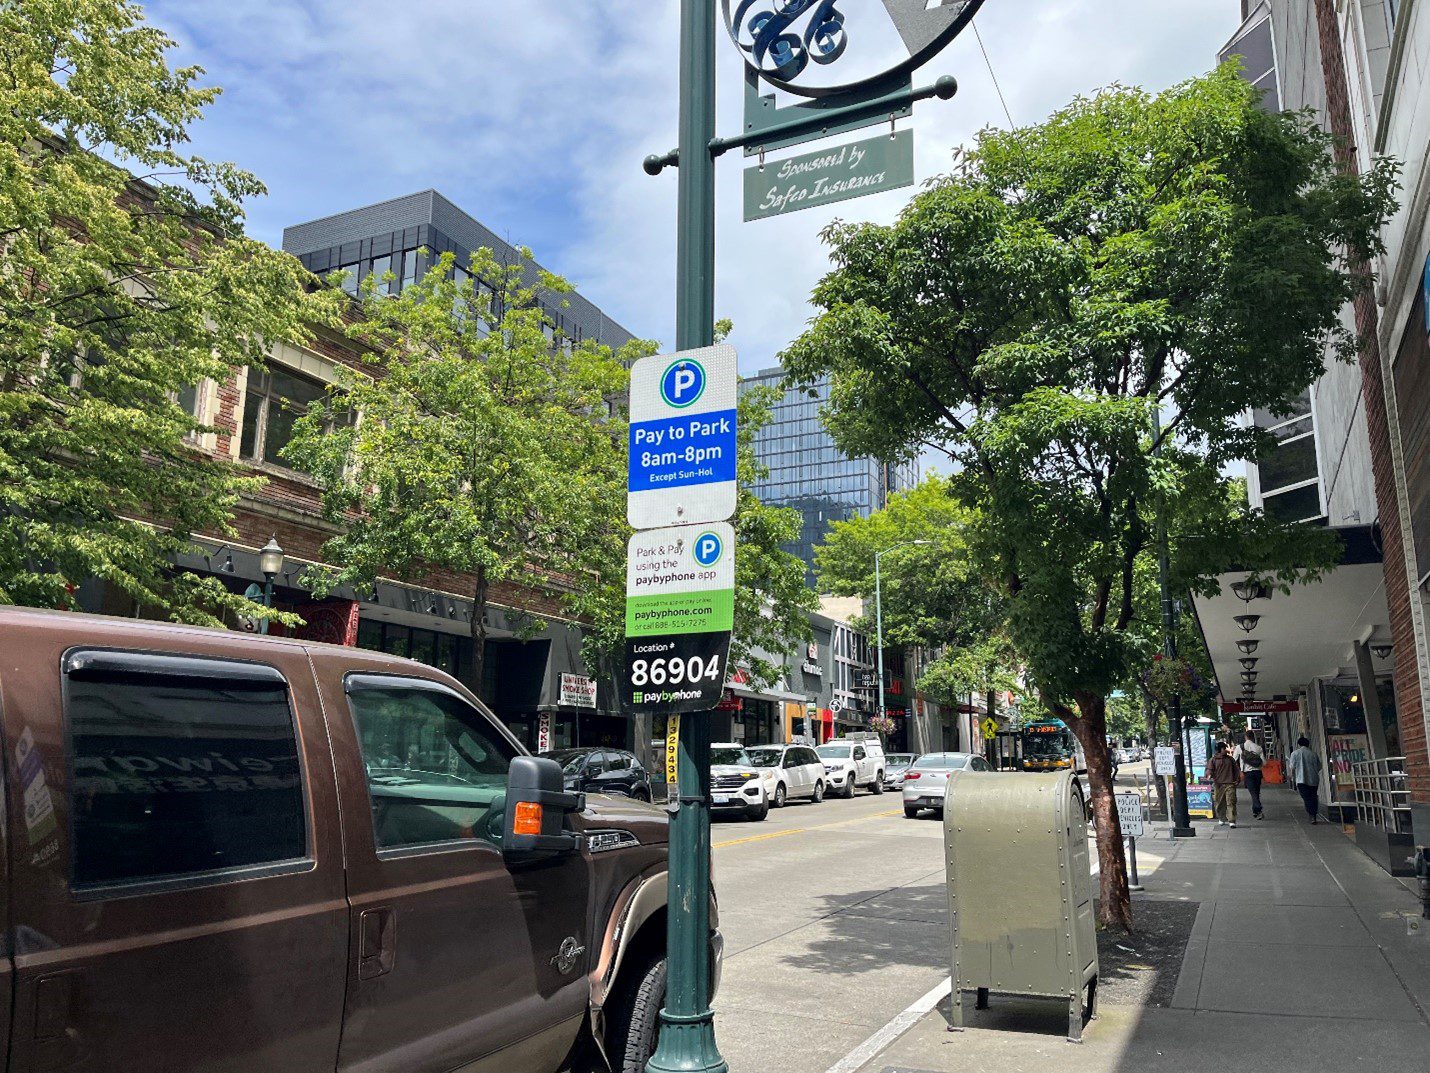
x,y
534,825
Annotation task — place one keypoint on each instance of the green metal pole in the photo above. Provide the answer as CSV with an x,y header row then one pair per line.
x,y
1181,817
687,1024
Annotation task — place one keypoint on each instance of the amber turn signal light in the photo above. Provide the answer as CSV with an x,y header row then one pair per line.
x,y
527,820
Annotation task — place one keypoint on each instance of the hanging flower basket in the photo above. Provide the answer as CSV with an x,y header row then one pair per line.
x,y
883,725
1174,677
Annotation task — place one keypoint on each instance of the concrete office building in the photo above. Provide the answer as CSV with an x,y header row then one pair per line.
x,y
539,687
1344,660
809,473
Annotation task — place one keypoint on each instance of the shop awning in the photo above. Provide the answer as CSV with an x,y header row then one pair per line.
x,y
1308,633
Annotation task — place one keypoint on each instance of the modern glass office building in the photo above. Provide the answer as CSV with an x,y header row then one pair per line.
x,y
808,472
405,235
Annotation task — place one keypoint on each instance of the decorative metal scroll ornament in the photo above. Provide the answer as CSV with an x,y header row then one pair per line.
x,y
786,41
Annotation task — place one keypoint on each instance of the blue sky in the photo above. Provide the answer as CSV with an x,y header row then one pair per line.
x,y
534,116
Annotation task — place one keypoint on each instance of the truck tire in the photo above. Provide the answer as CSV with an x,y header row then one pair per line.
x,y
849,788
877,786
635,1022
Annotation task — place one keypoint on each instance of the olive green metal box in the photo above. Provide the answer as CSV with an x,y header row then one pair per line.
x,y
1020,892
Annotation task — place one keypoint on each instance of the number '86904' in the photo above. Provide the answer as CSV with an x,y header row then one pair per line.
x,y
674,670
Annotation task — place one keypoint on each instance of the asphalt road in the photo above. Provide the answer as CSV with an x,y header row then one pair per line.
x,y
834,922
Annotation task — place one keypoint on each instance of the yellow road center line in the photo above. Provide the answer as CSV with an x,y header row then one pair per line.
x,y
802,830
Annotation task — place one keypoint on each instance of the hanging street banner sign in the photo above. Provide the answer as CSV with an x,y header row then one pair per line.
x,y
680,607
682,438
855,169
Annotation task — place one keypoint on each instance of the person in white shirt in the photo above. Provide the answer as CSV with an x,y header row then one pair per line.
x,y
1250,757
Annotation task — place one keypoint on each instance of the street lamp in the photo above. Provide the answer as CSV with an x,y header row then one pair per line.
x,y
879,617
270,564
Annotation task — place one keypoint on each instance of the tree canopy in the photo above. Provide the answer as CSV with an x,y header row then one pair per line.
x,y
1034,313
129,283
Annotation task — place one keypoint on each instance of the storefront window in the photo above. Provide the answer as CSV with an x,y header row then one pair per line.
x,y
446,651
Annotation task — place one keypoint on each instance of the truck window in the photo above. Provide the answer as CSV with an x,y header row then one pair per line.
x,y
434,765
174,775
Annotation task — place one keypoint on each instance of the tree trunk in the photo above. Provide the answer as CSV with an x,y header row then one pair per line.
x,y
479,634
1090,726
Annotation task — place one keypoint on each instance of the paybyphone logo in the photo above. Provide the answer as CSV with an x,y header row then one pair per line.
x,y
682,383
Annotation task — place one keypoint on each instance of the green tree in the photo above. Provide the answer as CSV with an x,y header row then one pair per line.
x,y
473,441
121,293
934,595
1029,316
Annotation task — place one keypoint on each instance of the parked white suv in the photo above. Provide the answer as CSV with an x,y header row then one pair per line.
x,y
735,783
853,762
788,771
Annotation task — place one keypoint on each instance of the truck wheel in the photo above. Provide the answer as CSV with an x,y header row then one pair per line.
x,y
849,788
635,1022
878,785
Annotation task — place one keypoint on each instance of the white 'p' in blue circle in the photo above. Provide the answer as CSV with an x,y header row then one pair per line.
x,y
682,383
707,549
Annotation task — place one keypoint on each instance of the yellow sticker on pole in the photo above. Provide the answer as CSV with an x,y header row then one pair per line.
x,y
672,743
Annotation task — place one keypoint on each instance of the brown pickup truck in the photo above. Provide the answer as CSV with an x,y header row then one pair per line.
x,y
234,853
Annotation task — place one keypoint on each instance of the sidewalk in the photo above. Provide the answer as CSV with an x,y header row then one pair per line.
x,y
1300,958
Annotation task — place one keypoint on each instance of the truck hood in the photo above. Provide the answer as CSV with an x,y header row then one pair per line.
x,y
647,822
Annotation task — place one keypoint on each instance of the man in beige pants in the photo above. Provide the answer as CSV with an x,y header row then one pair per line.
x,y
1225,774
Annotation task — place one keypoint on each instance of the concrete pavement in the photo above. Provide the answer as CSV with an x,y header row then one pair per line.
x,y
1301,958
834,918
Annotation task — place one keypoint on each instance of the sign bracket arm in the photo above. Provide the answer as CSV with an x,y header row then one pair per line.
x,y
814,123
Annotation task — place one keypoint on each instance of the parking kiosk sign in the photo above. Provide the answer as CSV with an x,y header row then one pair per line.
x,y
680,607
682,438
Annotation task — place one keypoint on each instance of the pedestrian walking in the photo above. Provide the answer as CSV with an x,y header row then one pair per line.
x,y
1250,757
1306,777
1225,774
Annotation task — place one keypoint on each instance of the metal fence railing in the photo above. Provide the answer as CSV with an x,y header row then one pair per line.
x,y
1382,795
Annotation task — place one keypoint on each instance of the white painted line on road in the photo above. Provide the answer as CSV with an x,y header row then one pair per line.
x,y
871,1047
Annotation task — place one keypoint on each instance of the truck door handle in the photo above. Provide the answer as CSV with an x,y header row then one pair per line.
x,y
377,950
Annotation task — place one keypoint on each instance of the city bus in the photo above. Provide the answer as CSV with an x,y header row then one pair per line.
x,y
1048,745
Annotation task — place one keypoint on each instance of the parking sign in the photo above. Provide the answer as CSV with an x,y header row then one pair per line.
x,y
682,438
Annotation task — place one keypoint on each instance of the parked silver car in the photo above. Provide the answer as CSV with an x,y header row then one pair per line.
x,y
895,766
926,781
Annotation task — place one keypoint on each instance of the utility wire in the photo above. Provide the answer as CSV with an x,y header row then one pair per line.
x,y
993,76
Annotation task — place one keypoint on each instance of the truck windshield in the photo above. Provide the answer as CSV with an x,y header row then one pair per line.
x,y
765,757
834,752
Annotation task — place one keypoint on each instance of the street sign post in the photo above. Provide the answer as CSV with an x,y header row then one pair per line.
x,y
682,438
780,40
680,607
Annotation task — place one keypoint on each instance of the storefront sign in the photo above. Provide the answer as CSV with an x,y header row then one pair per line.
x,y
809,667
1233,707
682,438
829,176
578,690
1345,751
1199,800
543,732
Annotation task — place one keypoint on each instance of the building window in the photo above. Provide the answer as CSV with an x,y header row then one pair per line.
x,y
1289,462
174,774
448,652
381,266
352,274
409,269
1295,505
434,763
275,400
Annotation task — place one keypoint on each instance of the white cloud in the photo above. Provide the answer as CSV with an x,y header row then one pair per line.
x,y
535,117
